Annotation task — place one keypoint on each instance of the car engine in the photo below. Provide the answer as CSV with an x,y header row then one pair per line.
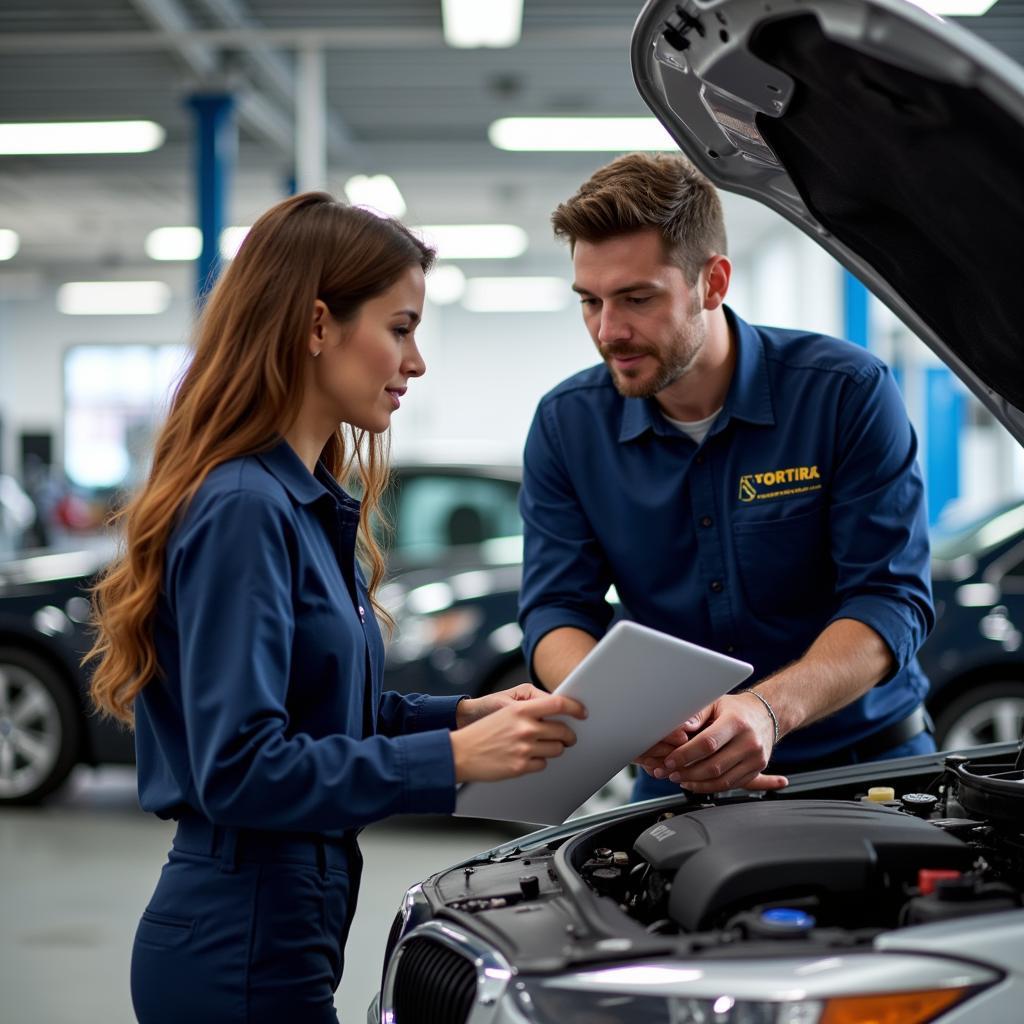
x,y
825,864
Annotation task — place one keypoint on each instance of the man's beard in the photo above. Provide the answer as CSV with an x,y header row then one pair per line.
x,y
672,365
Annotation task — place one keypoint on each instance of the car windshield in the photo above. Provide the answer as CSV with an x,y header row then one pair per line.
x,y
953,539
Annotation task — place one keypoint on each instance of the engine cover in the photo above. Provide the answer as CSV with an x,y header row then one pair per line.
x,y
726,859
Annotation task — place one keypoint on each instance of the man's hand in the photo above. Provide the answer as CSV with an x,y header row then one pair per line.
x,y
472,709
725,746
517,737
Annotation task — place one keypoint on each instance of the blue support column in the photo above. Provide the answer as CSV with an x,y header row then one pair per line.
x,y
215,157
855,310
945,413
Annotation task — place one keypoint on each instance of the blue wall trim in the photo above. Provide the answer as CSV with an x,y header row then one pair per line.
x,y
855,310
945,414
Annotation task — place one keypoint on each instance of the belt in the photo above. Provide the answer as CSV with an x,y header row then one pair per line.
x,y
244,845
868,749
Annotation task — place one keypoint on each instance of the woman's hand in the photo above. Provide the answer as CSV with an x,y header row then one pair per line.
x,y
515,736
472,709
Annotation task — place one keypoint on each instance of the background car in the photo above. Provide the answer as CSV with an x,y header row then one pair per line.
x,y
973,656
448,522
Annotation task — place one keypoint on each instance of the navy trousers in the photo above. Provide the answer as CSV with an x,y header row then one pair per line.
x,y
245,927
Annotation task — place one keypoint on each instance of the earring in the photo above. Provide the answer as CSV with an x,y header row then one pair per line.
x,y
316,353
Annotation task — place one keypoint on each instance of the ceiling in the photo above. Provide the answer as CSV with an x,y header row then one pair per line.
x,y
399,102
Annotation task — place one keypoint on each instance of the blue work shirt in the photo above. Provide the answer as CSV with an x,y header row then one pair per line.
x,y
803,504
268,712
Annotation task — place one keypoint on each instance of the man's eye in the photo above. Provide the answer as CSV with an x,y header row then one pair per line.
x,y
588,302
638,300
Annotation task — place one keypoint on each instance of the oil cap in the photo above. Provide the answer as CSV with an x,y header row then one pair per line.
x,y
921,804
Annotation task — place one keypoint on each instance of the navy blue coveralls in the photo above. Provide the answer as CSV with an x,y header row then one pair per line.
x,y
267,737
803,504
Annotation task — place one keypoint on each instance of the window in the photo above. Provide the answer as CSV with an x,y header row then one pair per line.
x,y
434,512
114,398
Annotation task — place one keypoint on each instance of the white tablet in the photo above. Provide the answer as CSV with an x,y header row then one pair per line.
x,y
637,685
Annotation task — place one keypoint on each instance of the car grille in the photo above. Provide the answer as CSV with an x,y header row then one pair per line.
x,y
433,985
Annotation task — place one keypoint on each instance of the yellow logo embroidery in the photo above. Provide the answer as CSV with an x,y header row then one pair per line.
x,y
773,484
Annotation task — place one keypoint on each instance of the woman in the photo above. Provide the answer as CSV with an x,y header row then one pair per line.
x,y
239,633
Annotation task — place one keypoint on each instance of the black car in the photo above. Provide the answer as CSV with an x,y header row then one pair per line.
x,y
974,655
449,518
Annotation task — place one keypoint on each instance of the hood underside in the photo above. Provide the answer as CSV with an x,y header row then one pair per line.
x,y
892,138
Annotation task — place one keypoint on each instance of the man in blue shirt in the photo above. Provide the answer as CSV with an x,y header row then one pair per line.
x,y
749,489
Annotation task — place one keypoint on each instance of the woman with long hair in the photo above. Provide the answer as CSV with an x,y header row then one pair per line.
x,y
238,632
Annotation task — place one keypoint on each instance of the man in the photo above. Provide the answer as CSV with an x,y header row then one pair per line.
x,y
749,489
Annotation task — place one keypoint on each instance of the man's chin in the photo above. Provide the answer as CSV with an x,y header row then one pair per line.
x,y
632,387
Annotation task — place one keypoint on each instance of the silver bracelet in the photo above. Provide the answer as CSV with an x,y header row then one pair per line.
x,y
771,711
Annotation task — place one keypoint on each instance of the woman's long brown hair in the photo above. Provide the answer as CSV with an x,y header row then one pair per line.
x,y
241,391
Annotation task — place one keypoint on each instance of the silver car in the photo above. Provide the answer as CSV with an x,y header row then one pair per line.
x,y
886,893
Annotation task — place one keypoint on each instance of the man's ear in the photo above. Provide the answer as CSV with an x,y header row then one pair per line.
x,y
717,274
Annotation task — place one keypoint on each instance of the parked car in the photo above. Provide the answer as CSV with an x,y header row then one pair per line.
x,y
874,892
444,516
973,656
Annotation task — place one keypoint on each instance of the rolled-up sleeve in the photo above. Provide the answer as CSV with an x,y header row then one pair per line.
x,y
879,525
230,588
565,571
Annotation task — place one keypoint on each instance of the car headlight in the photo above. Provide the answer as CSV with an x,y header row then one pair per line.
x,y
832,990
415,635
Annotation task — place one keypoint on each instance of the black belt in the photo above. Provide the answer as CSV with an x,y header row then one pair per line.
x,y
868,749
240,845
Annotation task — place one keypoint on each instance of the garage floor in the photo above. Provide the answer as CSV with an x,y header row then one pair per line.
x,y
75,875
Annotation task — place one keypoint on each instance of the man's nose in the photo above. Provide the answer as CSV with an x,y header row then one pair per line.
x,y
611,327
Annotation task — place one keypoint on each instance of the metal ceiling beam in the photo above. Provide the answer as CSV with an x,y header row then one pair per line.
x,y
332,38
272,67
254,111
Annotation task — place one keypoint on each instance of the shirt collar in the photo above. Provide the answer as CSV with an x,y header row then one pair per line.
x,y
283,463
749,396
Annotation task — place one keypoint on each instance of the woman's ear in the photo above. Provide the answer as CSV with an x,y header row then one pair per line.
x,y
316,334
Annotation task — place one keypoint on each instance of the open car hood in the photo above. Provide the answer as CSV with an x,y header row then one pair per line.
x,y
891,137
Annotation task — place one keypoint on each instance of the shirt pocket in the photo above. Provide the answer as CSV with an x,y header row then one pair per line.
x,y
785,565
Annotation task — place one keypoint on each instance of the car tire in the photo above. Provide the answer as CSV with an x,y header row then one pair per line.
x,y
987,713
40,728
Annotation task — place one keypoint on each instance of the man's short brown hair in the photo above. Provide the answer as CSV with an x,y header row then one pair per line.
x,y
642,190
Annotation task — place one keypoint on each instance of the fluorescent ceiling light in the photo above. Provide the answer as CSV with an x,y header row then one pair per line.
x,y
580,134
516,294
186,243
469,23
9,243
377,192
178,243
955,8
445,284
80,137
113,298
475,241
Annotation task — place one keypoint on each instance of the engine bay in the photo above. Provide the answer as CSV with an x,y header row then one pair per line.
x,y
830,863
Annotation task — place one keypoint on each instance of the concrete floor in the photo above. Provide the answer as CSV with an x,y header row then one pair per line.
x,y
76,873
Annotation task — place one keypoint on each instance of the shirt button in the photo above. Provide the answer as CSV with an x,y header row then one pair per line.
x,y
730,649
717,586
362,614
699,460
706,521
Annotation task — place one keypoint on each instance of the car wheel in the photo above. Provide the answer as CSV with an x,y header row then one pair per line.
x,y
39,728
991,713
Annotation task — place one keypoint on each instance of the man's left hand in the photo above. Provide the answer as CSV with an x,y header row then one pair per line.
x,y
474,708
728,747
